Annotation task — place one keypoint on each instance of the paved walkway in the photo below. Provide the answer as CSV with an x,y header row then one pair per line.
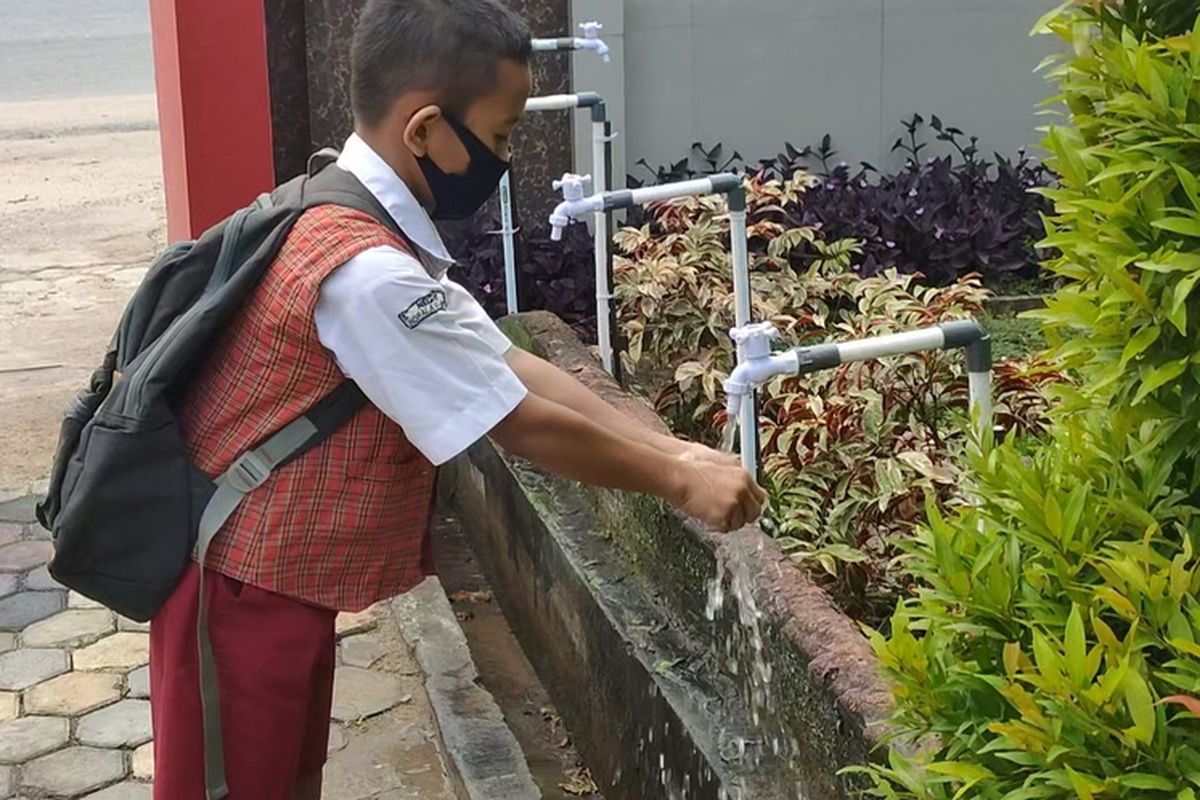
x,y
75,714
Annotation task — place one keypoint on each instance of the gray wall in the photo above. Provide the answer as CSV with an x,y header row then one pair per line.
x,y
756,73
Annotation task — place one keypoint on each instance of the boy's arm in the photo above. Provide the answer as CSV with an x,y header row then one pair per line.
x,y
570,444
551,383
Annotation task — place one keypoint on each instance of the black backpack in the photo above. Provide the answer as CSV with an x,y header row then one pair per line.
x,y
126,507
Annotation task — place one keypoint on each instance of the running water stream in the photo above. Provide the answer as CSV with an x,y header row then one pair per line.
x,y
729,433
739,647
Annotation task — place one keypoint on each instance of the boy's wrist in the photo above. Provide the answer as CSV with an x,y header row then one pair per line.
x,y
669,444
675,480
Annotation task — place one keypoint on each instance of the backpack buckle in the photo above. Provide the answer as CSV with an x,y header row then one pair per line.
x,y
249,472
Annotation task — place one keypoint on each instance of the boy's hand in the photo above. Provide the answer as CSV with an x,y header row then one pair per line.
x,y
722,496
691,451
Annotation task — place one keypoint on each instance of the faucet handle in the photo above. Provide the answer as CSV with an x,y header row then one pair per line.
x,y
573,187
591,29
754,339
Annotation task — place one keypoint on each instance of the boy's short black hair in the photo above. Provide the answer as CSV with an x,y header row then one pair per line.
x,y
452,46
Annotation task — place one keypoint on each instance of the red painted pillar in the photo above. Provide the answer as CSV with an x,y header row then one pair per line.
x,y
214,108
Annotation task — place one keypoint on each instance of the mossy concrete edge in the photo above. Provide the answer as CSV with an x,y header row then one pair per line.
x,y
826,684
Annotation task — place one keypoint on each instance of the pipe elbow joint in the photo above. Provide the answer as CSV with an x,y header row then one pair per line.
x,y
975,341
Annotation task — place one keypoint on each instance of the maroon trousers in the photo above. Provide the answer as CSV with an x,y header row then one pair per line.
x,y
275,660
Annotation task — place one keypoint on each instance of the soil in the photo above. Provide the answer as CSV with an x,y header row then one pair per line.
x,y
81,217
504,671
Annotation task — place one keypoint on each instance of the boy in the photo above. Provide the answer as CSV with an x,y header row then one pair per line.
x,y
437,88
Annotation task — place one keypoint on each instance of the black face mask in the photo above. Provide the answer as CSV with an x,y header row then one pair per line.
x,y
459,196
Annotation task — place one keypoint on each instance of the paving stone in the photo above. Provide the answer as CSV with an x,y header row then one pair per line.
x,y
10,532
39,580
29,737
8,641
362,651
349,624
20,669
73,694
6,782
76,600
360,693
22,510
143,762
22,556
72,627
124,724
8,583
337,738
126,624
119,651
10,705
23,608
139,682
73,771
125,790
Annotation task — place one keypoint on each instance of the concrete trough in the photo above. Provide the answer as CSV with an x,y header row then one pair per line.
x,y
607,593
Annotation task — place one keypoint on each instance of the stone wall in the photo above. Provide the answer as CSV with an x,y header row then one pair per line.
x,y
308,54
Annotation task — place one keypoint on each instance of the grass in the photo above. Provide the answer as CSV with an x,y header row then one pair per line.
x,y
1012,336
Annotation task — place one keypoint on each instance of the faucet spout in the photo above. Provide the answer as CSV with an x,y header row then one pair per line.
x,y
592,40
574,205
754,372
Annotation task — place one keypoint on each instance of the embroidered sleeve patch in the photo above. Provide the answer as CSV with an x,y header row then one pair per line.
x,y
423,308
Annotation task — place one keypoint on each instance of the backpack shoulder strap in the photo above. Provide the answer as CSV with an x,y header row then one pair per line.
x,y
335,186
250,471
326,184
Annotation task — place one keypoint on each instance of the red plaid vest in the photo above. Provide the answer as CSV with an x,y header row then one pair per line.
x,y
346,524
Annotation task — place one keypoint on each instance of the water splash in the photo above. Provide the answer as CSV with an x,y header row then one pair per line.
x,y
740,651
729,433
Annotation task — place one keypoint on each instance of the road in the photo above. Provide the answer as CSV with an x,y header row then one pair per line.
x,y
74,48
81,210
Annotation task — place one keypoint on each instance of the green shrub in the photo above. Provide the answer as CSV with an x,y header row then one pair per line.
x,y
1053,651
850,454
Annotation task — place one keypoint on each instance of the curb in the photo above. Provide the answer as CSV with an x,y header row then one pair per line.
x,y
485,760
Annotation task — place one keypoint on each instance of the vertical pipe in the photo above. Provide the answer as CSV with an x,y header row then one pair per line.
x,y
613,326
979,392
740,250
604,334
510,248
979,382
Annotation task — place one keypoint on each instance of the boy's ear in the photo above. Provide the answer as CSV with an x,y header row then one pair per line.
x,y
417,131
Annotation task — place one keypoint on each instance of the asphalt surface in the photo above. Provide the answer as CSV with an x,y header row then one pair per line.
x,y
53,49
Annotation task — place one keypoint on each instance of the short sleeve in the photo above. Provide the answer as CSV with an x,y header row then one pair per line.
x,y
418,349
474,318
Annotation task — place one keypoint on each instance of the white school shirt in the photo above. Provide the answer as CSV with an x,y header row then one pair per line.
x,y
418,345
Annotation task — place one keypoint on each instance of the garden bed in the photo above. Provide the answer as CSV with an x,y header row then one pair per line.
x,y
608,591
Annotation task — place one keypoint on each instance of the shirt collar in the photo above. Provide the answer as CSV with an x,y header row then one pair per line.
x,y
393,194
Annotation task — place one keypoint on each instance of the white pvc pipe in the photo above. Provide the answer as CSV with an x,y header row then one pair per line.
x,y
510,245
668,191
979,392
567,43
552,102
604,292
894,344
748,413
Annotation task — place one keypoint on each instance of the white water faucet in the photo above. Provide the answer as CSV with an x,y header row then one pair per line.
x,y
592,41
575,204
756,363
